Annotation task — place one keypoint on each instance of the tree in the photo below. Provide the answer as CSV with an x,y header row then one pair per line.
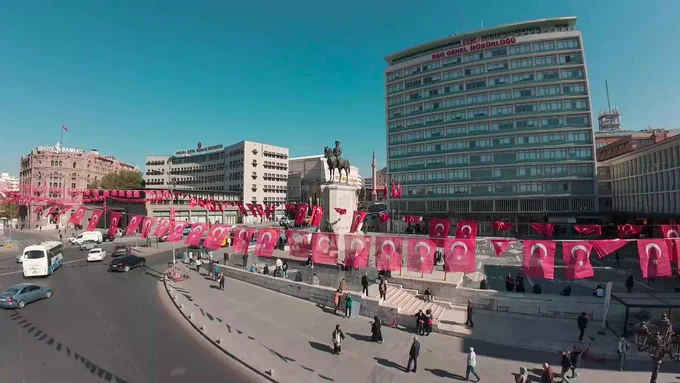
x,y
361,194
9,210
120,180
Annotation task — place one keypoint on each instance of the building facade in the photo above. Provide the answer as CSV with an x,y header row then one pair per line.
x,y
8,183
610,145
645,182
248,171
63,170
492,123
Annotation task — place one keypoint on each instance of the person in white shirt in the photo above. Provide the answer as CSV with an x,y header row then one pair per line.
x,y
471,364
622,350
599,292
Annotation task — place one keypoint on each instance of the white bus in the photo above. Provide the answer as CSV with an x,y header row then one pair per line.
x,y
43,259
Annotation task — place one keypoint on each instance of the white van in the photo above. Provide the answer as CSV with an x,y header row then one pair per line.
x,y
93,235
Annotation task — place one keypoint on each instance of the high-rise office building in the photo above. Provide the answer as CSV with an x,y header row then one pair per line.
x,y
492,123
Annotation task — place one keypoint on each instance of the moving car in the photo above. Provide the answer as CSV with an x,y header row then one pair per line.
x,y
19,295
88,245
87,235
120,251
107,238
126,263
96,255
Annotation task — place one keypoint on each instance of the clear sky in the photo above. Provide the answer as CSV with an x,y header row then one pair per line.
x,y
141,77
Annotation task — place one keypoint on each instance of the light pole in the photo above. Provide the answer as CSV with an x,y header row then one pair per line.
x,y
171,182
658,342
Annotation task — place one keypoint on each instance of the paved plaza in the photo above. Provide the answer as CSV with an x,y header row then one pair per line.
x,y
273,331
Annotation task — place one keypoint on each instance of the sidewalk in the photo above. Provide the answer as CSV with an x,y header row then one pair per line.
x,y
269,330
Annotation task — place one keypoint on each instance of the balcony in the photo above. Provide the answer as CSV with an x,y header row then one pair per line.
x,y
253,188
254,175
254,163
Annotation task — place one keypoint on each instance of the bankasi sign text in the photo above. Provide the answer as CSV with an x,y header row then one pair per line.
x,y
200,149
57,148
474,44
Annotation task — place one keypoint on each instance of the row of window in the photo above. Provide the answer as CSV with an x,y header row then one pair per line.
x,y
580,136
491,82
573,187
479,98
508,172
651,162
480,70
537,155
519,49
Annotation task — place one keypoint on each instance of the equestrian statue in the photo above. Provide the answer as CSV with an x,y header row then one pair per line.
x,y
335,161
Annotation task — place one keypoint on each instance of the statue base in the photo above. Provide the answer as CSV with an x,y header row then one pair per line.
x,y
339,196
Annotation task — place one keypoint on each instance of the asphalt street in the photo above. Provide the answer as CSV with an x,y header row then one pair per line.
x,y
102,326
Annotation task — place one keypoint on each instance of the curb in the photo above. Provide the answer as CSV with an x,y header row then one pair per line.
x,y
201,331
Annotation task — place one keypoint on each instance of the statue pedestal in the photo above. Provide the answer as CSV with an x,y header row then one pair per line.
x,y
339,196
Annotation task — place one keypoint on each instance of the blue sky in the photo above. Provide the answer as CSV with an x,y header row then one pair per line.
x,y
133,78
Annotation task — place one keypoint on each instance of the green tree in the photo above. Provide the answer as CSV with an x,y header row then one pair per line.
x,y
9,210
120,180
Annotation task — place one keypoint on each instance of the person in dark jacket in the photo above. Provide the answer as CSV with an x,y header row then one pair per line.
x,y
376,331
470,313
519,283
420,322
509,283
548,376
582,323
337,337
575,356
413,355
565,363
364,284
484,285
630,282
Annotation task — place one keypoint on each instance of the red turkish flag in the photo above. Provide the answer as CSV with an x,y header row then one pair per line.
x,y
459,255
388,252
166,194
420,255
340,211
538,259
192,201
588,229
500,246
325,248
655,260
266,242
466,229
439,229
299,243
604,247
40,208
63,209
674,249
576,258
357,221
412,219
162,227
195,234
52,209
317,214
242,237
77,216
629,230
115,220
216,236
176,231
133,224
670,231
147,223
357,248
172,213
252,210
259,210
301,213
546,229
242,209
94,220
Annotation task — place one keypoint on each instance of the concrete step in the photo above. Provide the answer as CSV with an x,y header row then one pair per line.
x,y
403,299
396,297
411,305
453,330
438,311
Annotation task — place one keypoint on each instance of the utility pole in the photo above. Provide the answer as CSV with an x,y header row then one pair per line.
x,y
171,183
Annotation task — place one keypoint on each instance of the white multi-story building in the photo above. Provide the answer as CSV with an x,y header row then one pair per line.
x,y
248,171
495,122
8,183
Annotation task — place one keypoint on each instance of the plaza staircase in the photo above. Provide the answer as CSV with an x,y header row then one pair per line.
x,y
408,302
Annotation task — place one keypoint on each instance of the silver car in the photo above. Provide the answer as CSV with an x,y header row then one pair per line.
x,y
19,295
88,244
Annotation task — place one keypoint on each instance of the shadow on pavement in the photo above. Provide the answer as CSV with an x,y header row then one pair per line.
x,y
388,363
321,347
444,374
364,338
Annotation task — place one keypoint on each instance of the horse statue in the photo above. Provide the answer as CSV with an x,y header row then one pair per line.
x,y
334,163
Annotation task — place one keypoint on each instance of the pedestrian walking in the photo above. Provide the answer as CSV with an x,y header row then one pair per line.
x,y
582,323
509,283
376,331
338,336
413,355
420,322
523,376
548,376
630,282
225,257
364,284
519,283
285,269
220,277
211,268
565,363
382,289
245,259
336,300
575,356
471,365
618,261
348,305
428,322
622,349
470,313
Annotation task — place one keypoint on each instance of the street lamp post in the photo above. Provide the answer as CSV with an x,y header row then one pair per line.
x,y
171,182
660,341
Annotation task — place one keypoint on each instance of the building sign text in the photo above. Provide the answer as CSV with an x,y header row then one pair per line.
x,y
57,148
474,44
199,149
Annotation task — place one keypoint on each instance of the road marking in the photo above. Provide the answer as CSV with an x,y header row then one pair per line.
x,y
21,271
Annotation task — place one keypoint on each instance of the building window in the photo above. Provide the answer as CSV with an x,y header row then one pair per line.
x,y
452,74
498,81
477,113
525,108
525,92
480,143
475,56
545,60
432,92
431,65
554,154
500,96
578,120
451,60
501,110
459,189
574,88
502,125
576,104
454,116
453,145
454,102
475,84
528,139
552,121
477,98
553,137
456,129
528,155
530,187
433,105
573,58
581,153
522,77
567,44
496,52
520,49
528,123
505,140
475,128
572,73
555,170
474,70
529,171
580,136
457,160
521,63
550,105
453,88
433,78
543,46
551,90
495,67
458,174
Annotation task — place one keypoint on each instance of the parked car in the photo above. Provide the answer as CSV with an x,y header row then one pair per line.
x,y
120,251
88,244
96,255
126,263
19,295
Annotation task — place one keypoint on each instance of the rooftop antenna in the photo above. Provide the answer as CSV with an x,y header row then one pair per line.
x,y
609,104
460,7
482,23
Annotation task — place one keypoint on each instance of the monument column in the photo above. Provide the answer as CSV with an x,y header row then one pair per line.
x,y
374,174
